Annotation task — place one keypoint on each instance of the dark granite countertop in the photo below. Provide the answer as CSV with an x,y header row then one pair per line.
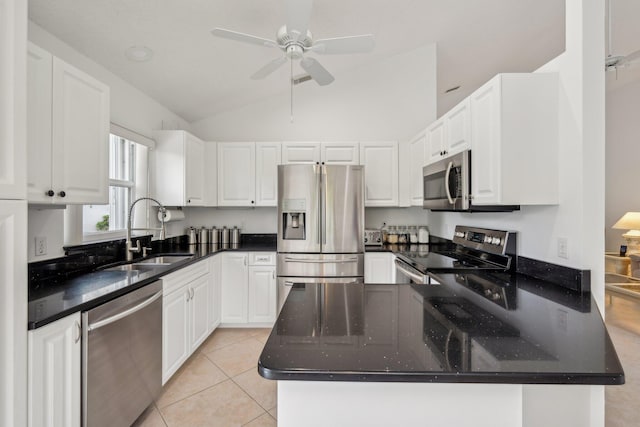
x,y
56,296
441,333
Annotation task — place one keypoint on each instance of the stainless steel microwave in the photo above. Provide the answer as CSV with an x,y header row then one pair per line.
x,y
446,186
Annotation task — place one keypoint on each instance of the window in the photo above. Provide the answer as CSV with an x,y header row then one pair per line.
x,y
127,181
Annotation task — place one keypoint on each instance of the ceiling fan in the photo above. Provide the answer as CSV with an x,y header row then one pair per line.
x,y
613,62
295,40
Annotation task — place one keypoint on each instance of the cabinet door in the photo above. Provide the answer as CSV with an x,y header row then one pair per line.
x,y
435,141
458,127
175,331
210,174
54,373
235,287
199,311
268,157
379,267
236,174
381,173
300,152
194,171
340,153
485,138
215,294
39,92
263,299
417,150
80,137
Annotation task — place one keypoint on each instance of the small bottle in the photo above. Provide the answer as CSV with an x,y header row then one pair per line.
x,y
423,235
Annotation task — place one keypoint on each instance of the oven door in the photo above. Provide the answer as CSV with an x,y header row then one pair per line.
x,y
445,183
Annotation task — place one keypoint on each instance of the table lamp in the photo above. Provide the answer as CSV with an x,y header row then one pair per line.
x,y
630,221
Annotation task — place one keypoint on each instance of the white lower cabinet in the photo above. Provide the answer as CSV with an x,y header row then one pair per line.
x,y
379,267
54,373
185,315
215,295
249,290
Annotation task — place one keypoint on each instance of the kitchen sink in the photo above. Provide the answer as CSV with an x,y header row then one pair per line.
x,y
163,260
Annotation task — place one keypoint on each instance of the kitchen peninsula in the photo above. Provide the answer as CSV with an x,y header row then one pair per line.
x,y
364,354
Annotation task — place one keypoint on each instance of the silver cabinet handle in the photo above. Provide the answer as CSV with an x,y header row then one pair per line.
x,y
273,274
288,283
322,261
245,260
123,314
188,295
446,182
418,278
193,293
79,330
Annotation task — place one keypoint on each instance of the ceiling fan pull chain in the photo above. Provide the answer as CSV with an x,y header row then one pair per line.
x,y
291,88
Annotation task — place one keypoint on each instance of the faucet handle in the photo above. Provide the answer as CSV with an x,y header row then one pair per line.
x,y
145,251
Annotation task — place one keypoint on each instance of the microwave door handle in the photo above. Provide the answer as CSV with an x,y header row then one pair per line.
x,y
446,182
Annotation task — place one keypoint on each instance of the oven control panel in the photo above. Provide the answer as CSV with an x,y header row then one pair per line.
x,y
493,241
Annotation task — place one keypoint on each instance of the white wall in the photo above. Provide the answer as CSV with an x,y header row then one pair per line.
x,y
580,215
388,100
130,108
623,153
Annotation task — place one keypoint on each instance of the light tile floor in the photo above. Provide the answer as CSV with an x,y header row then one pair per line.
x,y
623,324
218,386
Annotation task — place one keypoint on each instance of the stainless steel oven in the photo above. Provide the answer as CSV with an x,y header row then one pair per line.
x,y
122,357
406,273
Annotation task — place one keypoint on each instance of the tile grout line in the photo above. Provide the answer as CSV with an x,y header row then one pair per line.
x,y
198,392
251,397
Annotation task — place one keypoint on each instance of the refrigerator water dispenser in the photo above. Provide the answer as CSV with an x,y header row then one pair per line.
x,y
293,220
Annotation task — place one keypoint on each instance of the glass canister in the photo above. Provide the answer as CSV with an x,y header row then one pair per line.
x,y
402,234
423,234
392,237
413,234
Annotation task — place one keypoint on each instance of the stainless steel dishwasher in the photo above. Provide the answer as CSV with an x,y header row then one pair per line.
x,y
122,357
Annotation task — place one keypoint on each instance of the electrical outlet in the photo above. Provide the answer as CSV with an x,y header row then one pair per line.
x,y
41,246
563,247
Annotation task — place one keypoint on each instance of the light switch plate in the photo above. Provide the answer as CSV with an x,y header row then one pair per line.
x,y
41,246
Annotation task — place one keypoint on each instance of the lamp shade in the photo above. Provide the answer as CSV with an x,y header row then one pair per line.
x,y
629,221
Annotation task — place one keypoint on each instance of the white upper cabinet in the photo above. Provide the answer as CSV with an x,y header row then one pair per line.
x,y
210,174
450,134
68,133
300,152
236,174
514,131
417,152
380,160
340,153
179,168
268,157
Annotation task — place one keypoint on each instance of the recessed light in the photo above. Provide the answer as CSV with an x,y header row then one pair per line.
x,y
452,89
138,53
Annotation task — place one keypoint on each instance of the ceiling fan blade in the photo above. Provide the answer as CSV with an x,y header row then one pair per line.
x,y
298,16
269,68
242,37
316,71
629,59
340,45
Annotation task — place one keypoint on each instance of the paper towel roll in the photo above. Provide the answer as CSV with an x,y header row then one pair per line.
x,y
171,215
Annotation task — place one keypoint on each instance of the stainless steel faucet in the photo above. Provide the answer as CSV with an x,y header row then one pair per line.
x,y
130,250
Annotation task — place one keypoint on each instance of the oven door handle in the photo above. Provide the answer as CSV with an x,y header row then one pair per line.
x,y
446,183
446,349
403,267
115,318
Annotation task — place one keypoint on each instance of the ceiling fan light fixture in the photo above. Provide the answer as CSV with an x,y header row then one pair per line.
x,y
138,53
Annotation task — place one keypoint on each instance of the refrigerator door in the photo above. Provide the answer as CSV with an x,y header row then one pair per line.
x,y
299,208
342,207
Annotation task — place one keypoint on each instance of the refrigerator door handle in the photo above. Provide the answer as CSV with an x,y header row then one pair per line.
x,y
323,206
322,261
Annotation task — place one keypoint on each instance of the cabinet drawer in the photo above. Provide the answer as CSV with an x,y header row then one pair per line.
x,y
178,278
262,258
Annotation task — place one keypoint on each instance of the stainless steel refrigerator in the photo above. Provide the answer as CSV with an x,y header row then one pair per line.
x,y
320,225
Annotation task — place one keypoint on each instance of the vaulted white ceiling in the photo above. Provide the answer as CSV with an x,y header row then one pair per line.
x,y
197,75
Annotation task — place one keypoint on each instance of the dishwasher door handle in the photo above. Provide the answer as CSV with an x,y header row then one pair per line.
x,y
115,318
404,268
